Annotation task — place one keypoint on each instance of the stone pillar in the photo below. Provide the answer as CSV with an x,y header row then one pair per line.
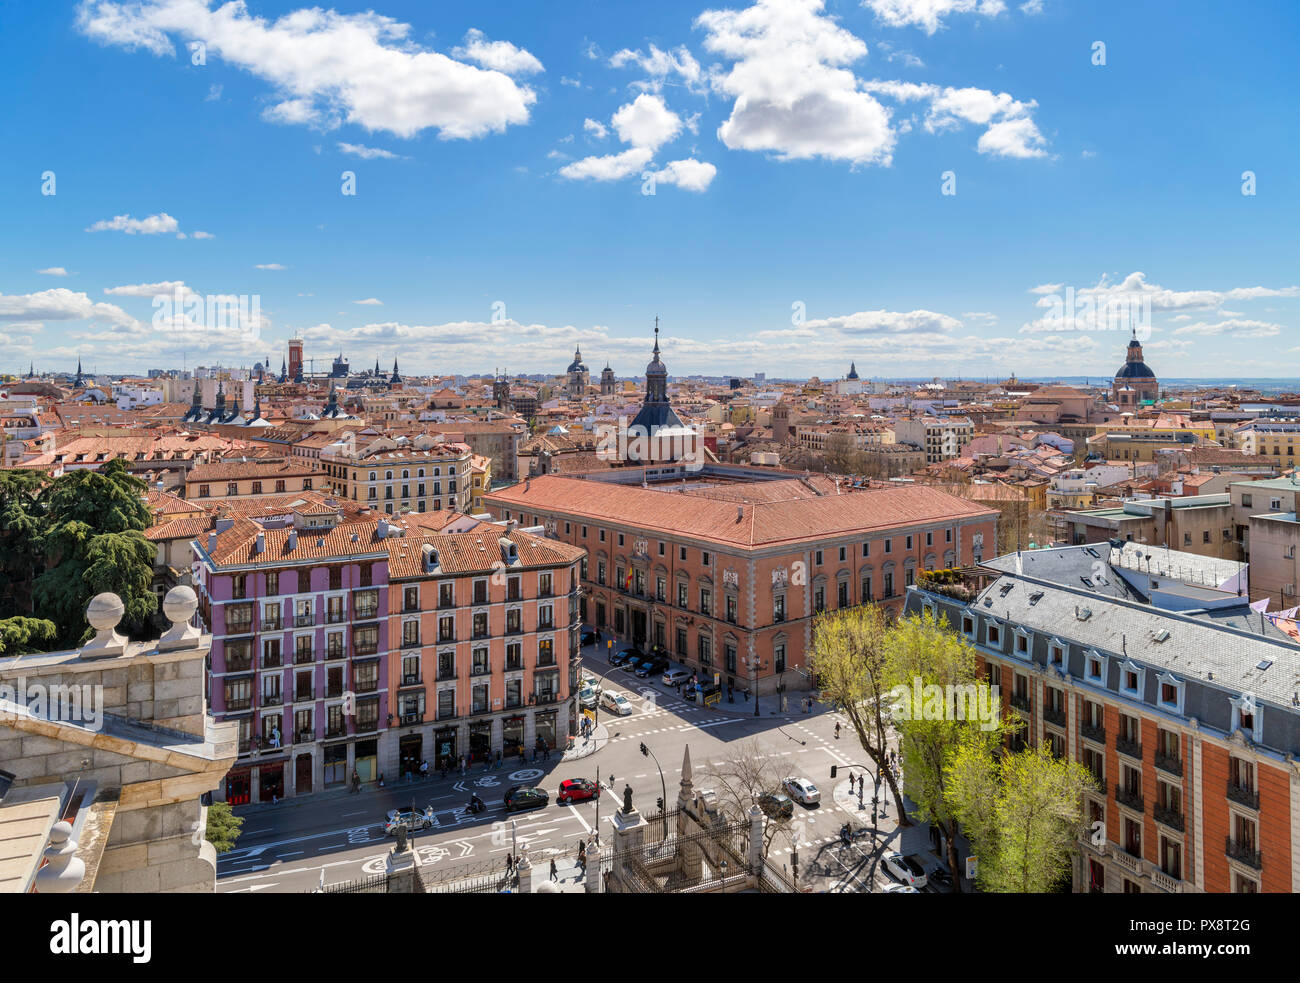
x,y
757,824
399,865
525,871
629,837
592,880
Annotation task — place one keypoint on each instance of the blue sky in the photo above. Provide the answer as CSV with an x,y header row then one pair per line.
x,y
798,152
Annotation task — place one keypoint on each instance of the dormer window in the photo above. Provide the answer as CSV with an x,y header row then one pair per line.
x,y
968,626
1170,694
1246,717
1132,678
1094,667
993,634
1023,642
1056,654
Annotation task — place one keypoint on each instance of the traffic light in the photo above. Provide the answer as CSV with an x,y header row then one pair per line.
x,y
834,768
645,751
659,802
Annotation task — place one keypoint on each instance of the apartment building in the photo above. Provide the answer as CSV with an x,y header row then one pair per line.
x,y
857,436
251,479
1178,699
942,438
1271,438
725,567
354,647
419,472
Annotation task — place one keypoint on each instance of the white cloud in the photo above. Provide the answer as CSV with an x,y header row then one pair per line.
x,y
888,322
53,271
1234,327
929,14
370,302
214,93
1011,130
327,67
500,56
1013,138
574,83
150,290
1032,7
794,94
596,129
612,167
150,226
689,174
268,266
59,304
661,65
369,153
646,122
892,55
203,235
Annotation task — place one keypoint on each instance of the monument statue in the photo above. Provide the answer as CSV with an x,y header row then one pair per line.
x,y
401,839
627,799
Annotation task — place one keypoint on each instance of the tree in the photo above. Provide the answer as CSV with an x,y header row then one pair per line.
x,y
921,653
848,661
223,827
19,636
21,531
741,779
94,542
1022,814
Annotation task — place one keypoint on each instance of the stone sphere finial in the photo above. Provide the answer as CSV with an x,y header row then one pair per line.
x,y
105,611
180,604
63,869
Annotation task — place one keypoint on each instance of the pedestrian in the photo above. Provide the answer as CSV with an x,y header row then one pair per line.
x,y
510,864
499,753
837,730
356,781
554,870
381,779
852,782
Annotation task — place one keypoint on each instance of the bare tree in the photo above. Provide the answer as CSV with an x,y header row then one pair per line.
x,y
740,779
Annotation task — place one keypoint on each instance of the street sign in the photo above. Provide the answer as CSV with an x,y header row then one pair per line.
x,y
971,866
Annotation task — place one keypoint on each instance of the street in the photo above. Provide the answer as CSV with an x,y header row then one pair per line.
x,y
286,847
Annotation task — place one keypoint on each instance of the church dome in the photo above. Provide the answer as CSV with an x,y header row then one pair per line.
x,y
576,365
1135,370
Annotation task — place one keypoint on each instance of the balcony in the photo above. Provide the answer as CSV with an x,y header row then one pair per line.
x,y
546,698
483,670
1169,817
1166,882
1090,733
412,718
338,730
546,662
304,658
364,612
1132,748
366,725
514,629
514,665
240,627
546,626
272,624
1128,860
306,736
477,710
304,620
1054,716
410,643
1243,796
1169,764
447,714
365,650
272,661
1243,853
272,699
1022,702
446,673
335,617
244,664
237,706
335,653
365,685
304,694
412,680
1128,797
331,692
446,636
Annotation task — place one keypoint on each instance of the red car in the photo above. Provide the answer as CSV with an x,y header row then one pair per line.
x,y
576,790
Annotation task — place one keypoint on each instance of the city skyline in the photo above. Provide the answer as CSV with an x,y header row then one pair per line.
x,y
777,237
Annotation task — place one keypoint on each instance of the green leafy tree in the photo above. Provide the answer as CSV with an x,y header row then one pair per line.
x,y
848,661
1022,813
19,635
94,542
22,528
223,827
921,653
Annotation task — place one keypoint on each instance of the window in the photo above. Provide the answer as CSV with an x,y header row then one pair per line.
x,y
778,658
273,582
778,608
1094,667
1131,678
410,634
681,553
843,554
819,599
929,539
239,586
818,558
480,591
544,585
1056,655
681,642
889,546
909,542
1170,694
993,634
866,550
447,629
545,652
1247,501
682,594
480,624
866,589
705,650
480,665
843,600
704,558
706,601
446,595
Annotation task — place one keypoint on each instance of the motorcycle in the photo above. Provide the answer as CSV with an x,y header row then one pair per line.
x,y
476,804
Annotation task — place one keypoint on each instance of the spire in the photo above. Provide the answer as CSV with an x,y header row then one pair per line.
x,y
656,337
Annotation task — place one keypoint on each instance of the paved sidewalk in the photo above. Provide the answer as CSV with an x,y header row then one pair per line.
x,y
585,746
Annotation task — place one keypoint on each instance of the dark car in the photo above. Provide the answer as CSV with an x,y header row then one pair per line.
x,y
776,805
659,664
644,668
623,655
576,790
521,797
588,638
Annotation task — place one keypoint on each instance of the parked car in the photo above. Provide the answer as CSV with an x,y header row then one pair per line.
x,y
616,703
588,638
675,677
411,820
802,791
776,805
905,869
622,655
648,667
588,698
899,889
656,664
576,790
521,797
629,664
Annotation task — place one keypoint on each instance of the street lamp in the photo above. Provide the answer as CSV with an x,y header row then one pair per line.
x,y
663,803
756,665
724,877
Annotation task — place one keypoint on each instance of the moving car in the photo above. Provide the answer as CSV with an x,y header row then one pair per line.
x,y
622,655
776,805
576,790
674,677
588,698
899,889
802,791
410,820
526,797
905,869
616,703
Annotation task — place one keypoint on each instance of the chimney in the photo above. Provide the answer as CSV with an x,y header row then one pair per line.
x,y
528,483
212,542
293,539
260,546
740,513
511,525
382,531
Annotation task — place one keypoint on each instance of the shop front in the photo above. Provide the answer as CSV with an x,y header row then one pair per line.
x,y
512,735
302,774
367,760
544,723
270,781
336,765
445,753
239,786
410,752
480,740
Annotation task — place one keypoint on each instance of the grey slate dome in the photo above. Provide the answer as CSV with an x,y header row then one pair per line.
x,y
1135,370
576,365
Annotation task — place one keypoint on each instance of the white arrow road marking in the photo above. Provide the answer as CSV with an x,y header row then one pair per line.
x,y
255,887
